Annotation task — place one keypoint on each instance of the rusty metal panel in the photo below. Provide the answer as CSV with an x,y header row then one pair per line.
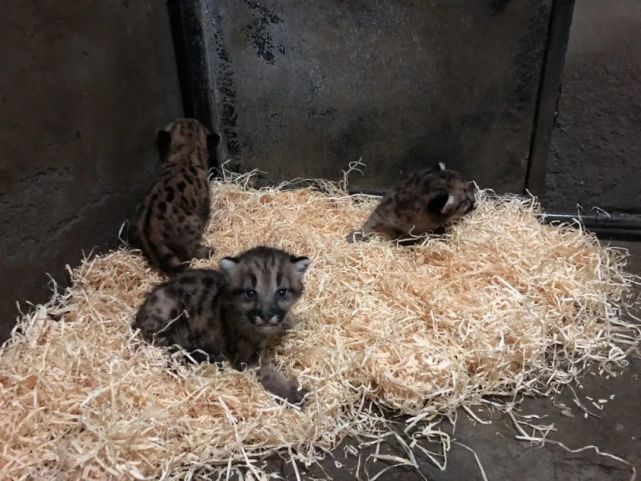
x,y
299,89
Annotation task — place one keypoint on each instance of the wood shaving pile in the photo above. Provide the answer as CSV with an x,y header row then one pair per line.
x,y
502,304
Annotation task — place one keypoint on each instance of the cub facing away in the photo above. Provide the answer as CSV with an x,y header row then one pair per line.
x,y
237,312
423,203
170,222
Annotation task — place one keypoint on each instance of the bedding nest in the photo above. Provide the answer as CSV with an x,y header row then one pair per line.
x,y
502,304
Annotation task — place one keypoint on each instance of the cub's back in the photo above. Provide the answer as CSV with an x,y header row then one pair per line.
x,y
171,220
181,310
423,202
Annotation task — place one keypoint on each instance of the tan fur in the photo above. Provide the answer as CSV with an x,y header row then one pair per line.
x,y
236,313
171,220
423,203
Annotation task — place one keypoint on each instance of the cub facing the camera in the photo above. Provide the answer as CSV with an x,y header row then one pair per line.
x,y
170,222
423,203
237,312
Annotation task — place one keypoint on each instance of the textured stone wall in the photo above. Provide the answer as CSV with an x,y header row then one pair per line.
x,y
595,156
83,86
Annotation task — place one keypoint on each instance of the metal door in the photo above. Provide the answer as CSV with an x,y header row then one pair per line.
x,y
300,88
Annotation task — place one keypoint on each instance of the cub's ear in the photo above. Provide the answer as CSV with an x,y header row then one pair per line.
x,y
301,264
441,166
163,142
228,264
437,203
453,201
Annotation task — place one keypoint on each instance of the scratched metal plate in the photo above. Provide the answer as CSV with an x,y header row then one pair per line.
x,y
300,89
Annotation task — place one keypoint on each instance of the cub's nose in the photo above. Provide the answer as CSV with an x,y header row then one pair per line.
x,y
266,319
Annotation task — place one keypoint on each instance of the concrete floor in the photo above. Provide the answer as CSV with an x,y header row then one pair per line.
x,y
617,431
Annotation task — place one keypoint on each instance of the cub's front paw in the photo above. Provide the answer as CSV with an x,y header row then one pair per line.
x,y
297,395
204,252
356,236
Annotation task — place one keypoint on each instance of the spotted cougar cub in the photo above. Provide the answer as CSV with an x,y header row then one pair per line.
x,y
170,222
423,203
237,312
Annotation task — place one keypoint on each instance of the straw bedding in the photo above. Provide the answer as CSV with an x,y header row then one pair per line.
x,y
501,304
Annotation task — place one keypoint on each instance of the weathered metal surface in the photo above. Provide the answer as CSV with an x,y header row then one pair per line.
x,y
300,89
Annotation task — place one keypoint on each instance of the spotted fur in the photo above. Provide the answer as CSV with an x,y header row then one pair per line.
x,y
423,203
170,222
236,313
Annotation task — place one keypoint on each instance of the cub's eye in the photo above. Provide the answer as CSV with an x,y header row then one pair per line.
x,y
281,293
249,294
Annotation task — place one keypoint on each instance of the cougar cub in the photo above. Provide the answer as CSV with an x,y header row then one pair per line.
x,y
423,203
237,312
170,222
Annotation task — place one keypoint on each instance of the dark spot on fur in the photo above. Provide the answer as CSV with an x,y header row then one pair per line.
x,y
166,259
188,280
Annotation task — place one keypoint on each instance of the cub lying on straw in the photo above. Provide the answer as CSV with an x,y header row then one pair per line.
x,y
423,203
237,312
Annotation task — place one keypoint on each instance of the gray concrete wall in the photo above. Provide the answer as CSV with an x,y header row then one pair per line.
x,y
595,156
83,86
